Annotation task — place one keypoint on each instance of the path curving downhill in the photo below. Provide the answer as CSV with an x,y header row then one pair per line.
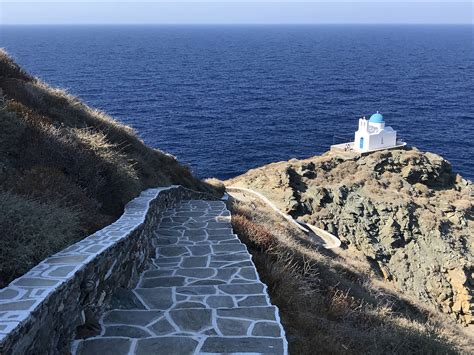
x,y
201,294
326,239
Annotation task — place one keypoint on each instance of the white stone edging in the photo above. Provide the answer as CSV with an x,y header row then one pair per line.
x,y
21,300
305,227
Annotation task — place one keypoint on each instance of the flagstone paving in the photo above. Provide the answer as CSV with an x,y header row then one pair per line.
x,y
200,294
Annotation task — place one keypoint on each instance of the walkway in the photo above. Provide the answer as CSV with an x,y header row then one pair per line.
x,y
201,294
318,235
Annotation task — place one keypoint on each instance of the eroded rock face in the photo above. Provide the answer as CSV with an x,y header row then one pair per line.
x,y
404,209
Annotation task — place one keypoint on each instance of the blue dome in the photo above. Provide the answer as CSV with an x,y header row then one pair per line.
x,y
376,118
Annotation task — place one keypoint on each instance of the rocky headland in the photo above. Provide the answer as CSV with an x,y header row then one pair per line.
x,y
405,210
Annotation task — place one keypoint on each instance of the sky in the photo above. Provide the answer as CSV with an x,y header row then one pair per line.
x,y
236,12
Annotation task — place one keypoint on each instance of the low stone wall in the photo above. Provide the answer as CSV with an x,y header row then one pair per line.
x,y
40,311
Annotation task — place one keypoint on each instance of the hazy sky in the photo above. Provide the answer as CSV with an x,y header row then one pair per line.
x,y
235,12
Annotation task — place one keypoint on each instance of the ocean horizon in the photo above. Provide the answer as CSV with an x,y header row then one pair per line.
x,y
225,99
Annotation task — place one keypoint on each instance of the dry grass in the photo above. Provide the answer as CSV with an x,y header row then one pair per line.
x,y
9,69
32,230
57,153
334,303
253,234
217,185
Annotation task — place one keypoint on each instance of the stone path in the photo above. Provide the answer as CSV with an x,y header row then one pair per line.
x,y
320,236
201,294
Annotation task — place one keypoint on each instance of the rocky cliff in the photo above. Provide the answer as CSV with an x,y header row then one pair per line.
x,y
404,209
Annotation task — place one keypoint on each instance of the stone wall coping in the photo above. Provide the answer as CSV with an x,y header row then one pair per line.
x,y
27,293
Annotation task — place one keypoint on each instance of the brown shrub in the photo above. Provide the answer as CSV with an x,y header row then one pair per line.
x,y
341,303
217,184
31,231
49,184
60,153
252,233
328,306
9,69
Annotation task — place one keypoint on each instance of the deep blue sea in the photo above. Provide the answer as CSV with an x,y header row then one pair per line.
x,y
225,99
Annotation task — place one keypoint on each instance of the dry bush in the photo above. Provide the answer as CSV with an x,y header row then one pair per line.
x,y
252,233
330,306
359,179
9,69
31,231
61,153
51,185
345,170
114,174
217,184
83,156
246,210
60,109
341,303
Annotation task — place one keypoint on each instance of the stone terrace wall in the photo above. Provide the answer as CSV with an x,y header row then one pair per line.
x,y
40,311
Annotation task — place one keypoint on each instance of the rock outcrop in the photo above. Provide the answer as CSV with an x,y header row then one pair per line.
x,y
404,209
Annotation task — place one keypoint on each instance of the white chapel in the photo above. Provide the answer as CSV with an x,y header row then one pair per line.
x,y
374,135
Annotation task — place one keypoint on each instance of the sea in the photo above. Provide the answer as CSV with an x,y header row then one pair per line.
x,y
225,99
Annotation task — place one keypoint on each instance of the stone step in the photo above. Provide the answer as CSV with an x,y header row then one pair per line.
x,y
190,275
197,276
191,320
195,213
214,229
201,294
188,222
196,296
171,241
209,296
214,221
242,259
194,238
212,331
180,345
204,296
183,250
201,204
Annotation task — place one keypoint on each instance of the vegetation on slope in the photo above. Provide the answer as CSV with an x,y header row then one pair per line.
x,y
66,170
405,210
333,302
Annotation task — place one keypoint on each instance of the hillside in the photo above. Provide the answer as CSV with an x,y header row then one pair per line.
x,y
404,209
66,170
406,223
